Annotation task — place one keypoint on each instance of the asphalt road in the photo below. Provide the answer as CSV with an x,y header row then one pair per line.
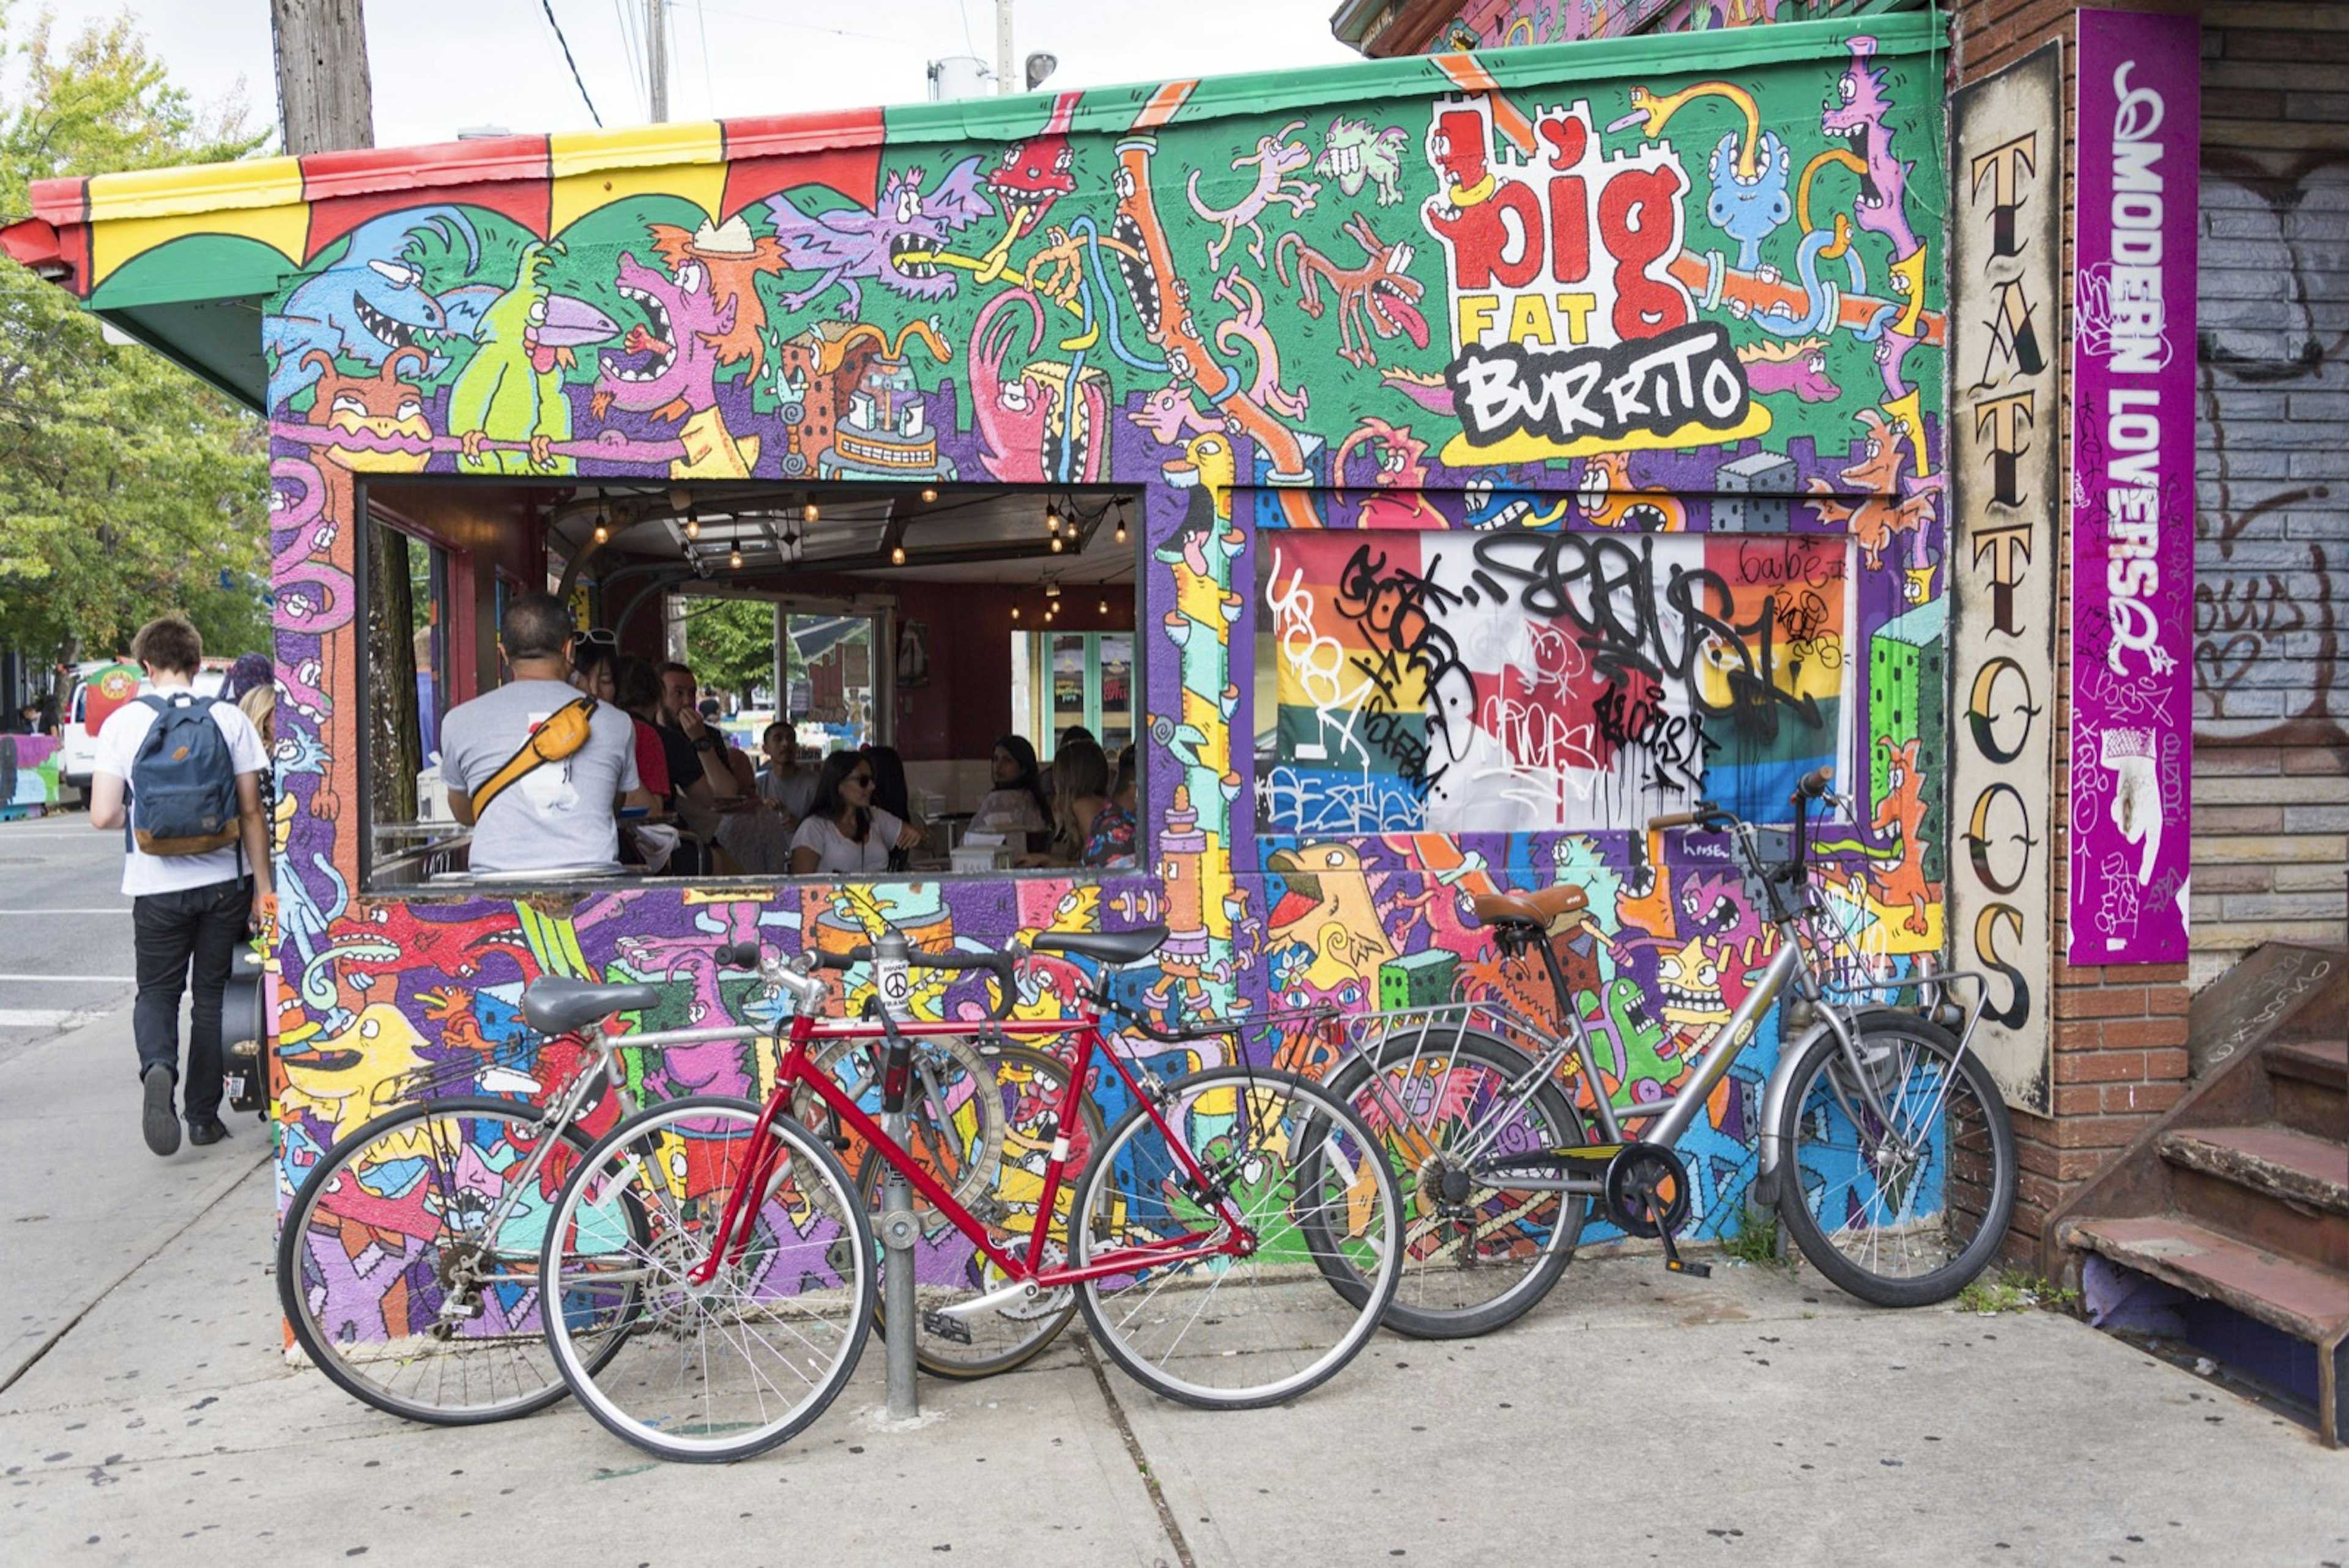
x,y
64,929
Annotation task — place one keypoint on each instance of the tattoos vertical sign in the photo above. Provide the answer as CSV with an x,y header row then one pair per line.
x,y
2133,484
2006,488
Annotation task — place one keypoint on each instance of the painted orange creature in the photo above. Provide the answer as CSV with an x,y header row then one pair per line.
x,y
1904,807
1873,498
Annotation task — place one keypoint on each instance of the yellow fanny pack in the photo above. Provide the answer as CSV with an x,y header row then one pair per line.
x,y
563,733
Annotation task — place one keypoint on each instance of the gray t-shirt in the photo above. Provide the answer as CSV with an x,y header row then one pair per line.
x,y
559,816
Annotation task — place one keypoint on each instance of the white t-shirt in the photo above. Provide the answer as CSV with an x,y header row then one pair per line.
x,y
118,746
835,851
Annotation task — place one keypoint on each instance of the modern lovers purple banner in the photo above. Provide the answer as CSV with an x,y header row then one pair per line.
x,y
2133,485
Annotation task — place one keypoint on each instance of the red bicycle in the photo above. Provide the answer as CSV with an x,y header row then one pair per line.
x,y
733,1237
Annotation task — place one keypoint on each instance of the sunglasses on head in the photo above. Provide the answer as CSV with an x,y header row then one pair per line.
x,y
601,635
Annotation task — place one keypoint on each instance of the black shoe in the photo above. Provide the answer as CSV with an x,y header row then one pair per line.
x,y
157,1120
203,1130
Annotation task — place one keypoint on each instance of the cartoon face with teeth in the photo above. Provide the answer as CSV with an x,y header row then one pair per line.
x,y
379,420
1857,113
666,363
1688,984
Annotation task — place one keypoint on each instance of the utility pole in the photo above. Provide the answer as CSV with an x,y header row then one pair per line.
x,y
325,101
657,57
1003,80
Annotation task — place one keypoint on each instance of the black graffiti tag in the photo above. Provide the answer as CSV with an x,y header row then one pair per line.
x,y
1609,590
1399,615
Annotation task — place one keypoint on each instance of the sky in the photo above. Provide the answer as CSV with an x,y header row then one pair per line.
x,y
443,66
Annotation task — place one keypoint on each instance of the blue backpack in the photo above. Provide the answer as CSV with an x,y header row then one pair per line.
x,y
183,782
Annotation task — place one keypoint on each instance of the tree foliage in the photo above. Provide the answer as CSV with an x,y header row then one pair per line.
x,y
733,645
127,486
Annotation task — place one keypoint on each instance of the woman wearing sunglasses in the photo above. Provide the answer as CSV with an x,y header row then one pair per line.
x,y
845,831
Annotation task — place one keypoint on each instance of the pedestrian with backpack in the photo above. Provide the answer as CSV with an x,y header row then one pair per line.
x,y
179,775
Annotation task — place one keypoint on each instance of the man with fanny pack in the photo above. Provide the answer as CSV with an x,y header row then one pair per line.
x,y
534,768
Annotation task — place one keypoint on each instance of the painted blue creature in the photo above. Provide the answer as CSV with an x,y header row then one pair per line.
x,y
1749,211
372,301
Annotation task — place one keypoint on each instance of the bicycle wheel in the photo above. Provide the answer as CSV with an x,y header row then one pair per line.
x,y
960,1131
727,1368
1235,1330
392,1287
1452,1108
1902,1208
1026,1084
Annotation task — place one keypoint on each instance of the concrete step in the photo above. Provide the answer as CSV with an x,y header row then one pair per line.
x,y
2306,1172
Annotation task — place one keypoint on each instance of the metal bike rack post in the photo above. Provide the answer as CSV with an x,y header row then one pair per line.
x,y
899,1227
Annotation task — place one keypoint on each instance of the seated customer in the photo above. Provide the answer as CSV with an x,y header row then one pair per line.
x,y
1080,780
1017,807
556,810
789,784
844,833
1112,840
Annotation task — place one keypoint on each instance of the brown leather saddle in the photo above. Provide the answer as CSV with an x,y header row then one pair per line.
x,y
1537,909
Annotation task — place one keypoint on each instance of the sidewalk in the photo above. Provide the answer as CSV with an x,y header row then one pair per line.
x,y
1756,1418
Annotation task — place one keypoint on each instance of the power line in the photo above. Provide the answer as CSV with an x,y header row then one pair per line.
x,y
549,6
621,10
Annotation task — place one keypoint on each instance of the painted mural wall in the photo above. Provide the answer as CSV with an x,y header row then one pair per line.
x,y
1529,444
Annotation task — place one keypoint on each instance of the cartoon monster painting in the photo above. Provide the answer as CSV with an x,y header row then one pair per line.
x,y
370,302
511,390
1874,497
890,246
1355,153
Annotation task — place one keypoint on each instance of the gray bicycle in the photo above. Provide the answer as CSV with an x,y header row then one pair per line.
x,y
1885,1145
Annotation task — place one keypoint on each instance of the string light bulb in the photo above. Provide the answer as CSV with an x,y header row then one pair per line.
x,y
693,523
734,559
1121,519
928,493
1052,519
897,556
1103,607
1015,612
603,521
811,512
1056,543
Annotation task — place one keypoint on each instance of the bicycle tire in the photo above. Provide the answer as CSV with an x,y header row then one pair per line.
x,y
673,1167
1276,1135
358,1247
978,1144
1950,1185
949,1267
1463,1274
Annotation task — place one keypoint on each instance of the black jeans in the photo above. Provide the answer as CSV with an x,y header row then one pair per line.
x,y
195,929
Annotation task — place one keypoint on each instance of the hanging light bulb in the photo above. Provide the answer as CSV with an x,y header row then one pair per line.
x,y
1056,543
1121,519
1052,519
811,512
928,493
693,523
1015,612
734,559
603,520
897,556
1103,607
1052,589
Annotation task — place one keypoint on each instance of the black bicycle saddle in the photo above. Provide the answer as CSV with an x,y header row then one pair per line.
x,y
1103,947
558,1006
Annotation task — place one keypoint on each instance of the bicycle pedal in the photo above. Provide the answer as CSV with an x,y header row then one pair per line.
x,y
944,1327
1682,1266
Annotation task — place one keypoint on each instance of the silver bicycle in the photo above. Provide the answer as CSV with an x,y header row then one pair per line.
x,y
1884,1143
409,1263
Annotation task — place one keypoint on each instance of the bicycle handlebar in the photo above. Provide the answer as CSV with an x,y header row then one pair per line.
x,y
1000,965
1813,784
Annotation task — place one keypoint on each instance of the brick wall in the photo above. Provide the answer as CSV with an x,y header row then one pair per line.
x,y
2119,1050
2272,480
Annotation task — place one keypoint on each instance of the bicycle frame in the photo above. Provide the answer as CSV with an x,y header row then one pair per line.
x,y
1232,1238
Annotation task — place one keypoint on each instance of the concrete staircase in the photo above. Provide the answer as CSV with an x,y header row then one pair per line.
x,y
2225,1227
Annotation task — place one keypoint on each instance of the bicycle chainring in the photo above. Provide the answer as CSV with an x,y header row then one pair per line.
x,y
1641,1180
